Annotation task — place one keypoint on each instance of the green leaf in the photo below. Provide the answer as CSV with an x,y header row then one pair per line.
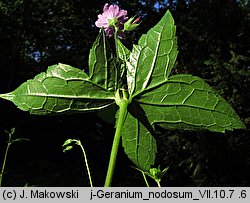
x,y
67,148
68,142
61,89
102,65
11,132
123,54
186,102
157,174
152,60
139,144
122,51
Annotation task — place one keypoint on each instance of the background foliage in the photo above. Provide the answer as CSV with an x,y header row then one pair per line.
x,y
213,44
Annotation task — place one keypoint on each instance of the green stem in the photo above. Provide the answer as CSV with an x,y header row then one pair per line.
x,y
86,163
116,46
145,178
121,118
4,162
158,183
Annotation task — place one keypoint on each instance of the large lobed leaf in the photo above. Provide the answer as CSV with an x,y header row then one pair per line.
x,y
123,54
186,102
122,51
61,89
151,61
180,102
139,144
102,64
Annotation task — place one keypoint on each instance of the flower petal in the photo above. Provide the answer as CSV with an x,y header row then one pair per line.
x,y
102,22
111,17
115,10
106,7
122,13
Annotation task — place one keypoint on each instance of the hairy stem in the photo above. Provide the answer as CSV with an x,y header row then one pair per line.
x,y
121,118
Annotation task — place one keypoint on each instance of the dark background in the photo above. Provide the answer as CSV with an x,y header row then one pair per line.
x,y
213,44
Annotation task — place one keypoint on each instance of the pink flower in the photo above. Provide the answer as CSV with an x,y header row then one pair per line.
x,y
111,17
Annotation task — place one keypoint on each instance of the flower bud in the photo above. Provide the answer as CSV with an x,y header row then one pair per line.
x,y
131,24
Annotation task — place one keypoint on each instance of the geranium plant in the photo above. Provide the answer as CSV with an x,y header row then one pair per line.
x,y
139,82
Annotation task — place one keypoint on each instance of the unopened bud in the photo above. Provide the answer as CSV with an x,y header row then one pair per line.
x,y
131,24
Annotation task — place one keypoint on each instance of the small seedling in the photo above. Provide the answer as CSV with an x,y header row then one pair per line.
x,y
9,143
69,144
